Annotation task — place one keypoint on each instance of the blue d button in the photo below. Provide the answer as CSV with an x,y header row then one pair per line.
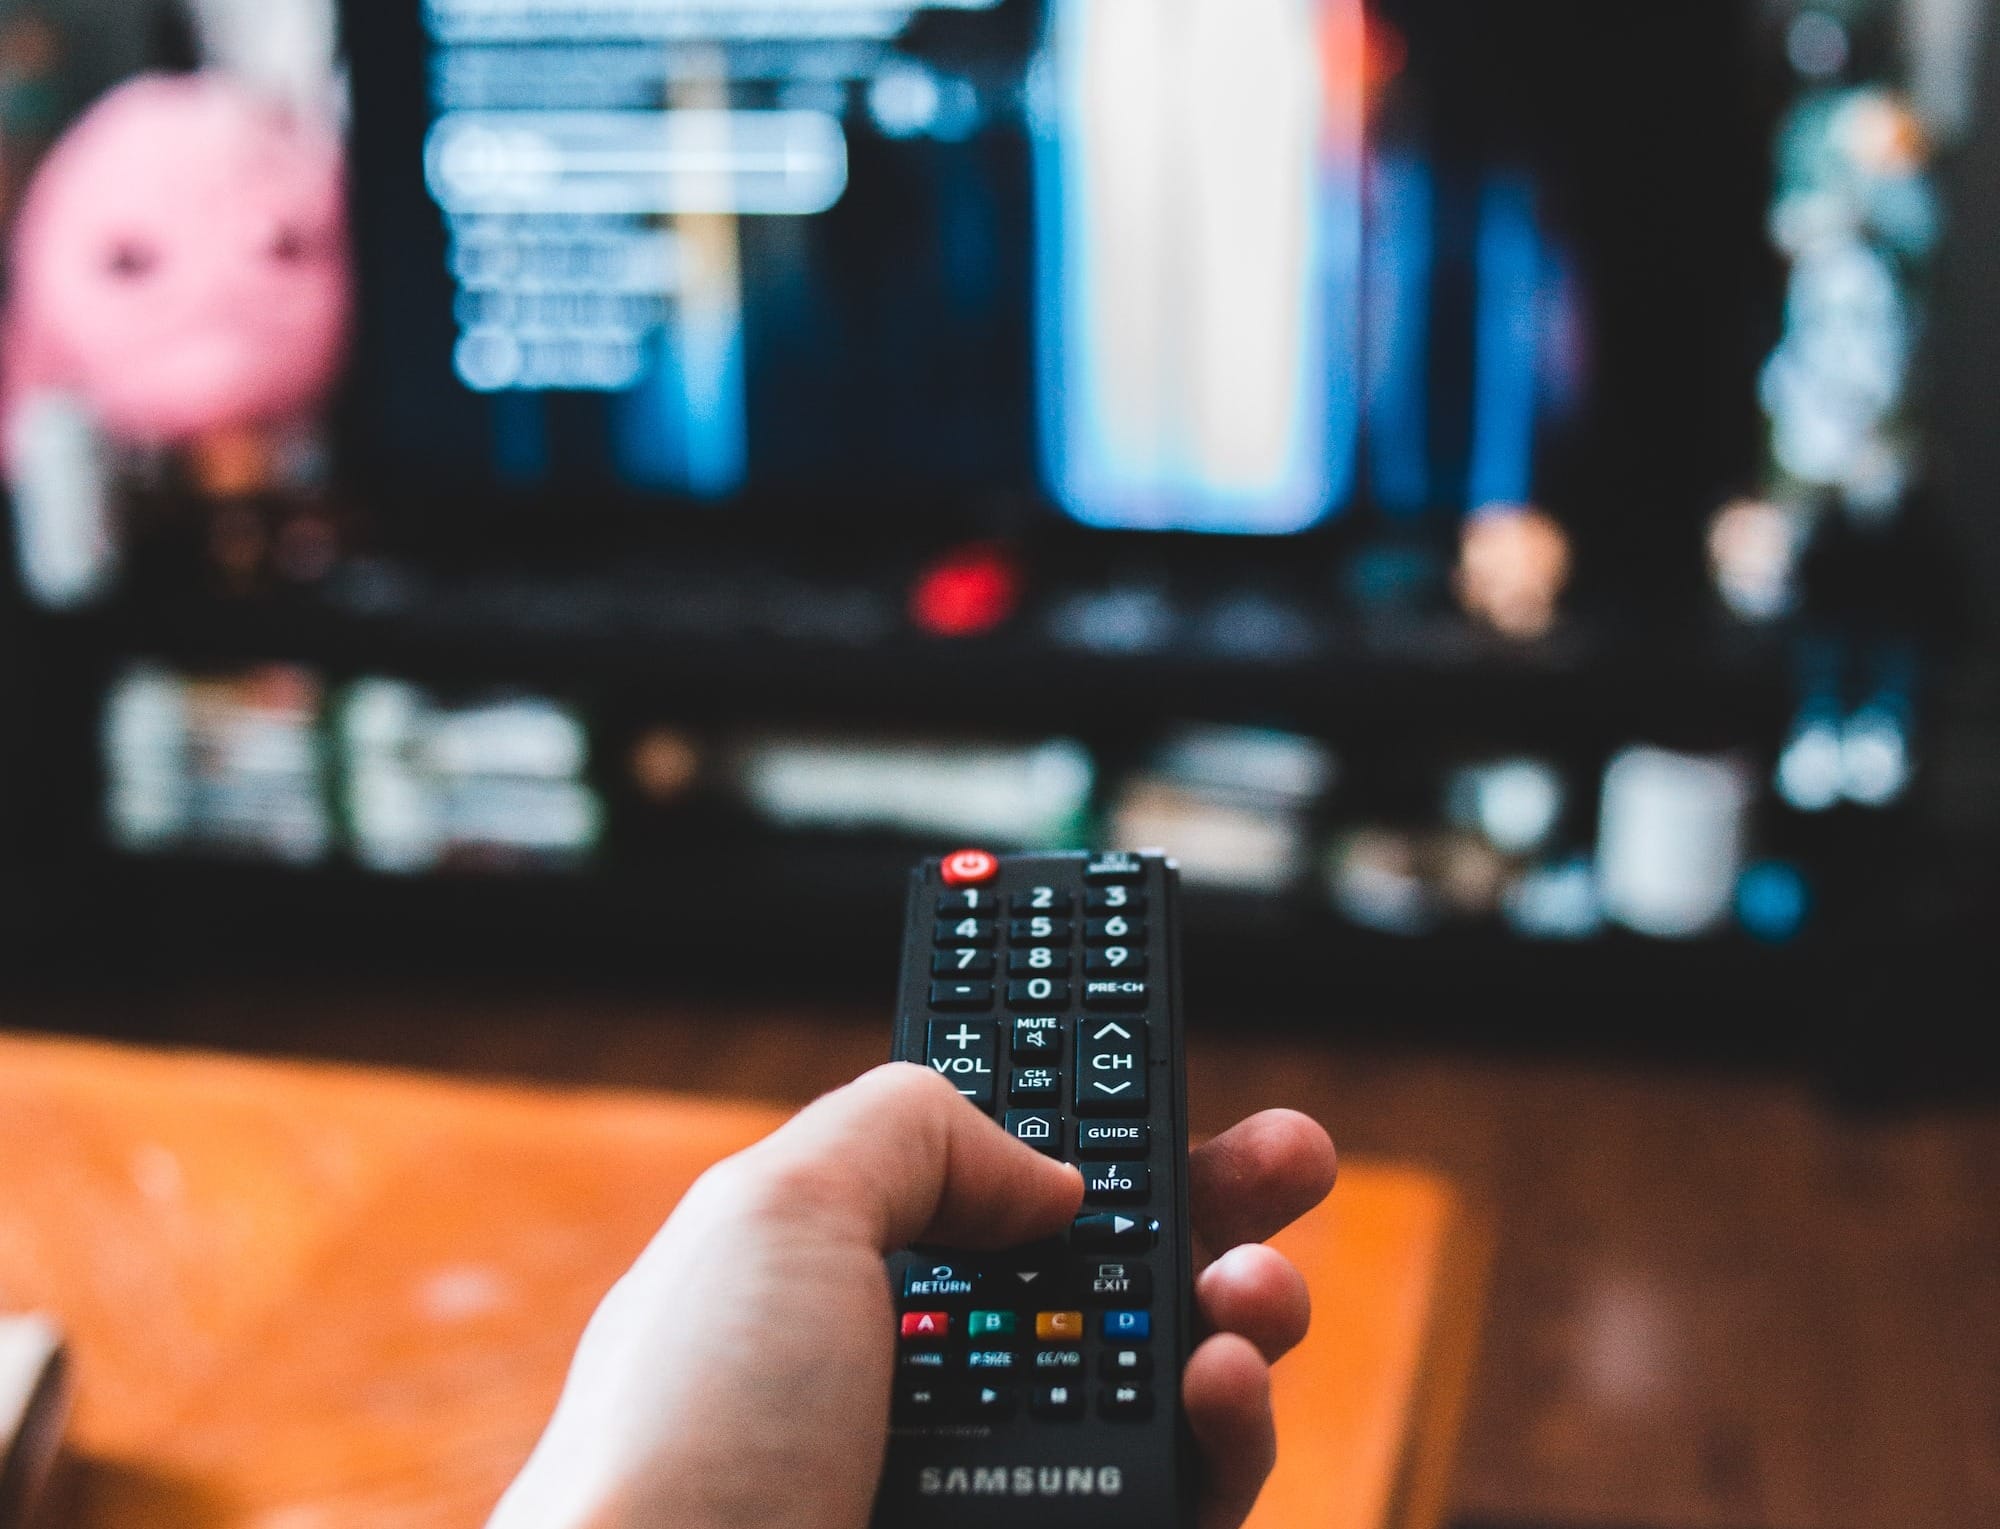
x,y
1127,1326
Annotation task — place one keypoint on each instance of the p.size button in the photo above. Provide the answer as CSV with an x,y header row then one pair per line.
x,y
1111,1067
966,1053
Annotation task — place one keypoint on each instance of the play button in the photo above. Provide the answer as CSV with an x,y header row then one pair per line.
x,y
1113,1234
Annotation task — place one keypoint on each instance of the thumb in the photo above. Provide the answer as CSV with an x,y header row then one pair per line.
x,y
913,1162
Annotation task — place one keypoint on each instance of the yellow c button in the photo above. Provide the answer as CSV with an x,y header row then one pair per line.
x,y
1059,1326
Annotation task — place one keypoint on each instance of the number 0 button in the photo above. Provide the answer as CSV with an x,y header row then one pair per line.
x,y
1037,993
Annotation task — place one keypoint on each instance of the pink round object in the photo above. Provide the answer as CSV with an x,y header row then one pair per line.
x,y
180,263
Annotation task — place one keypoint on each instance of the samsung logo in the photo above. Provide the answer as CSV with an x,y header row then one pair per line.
x,y
1021,1481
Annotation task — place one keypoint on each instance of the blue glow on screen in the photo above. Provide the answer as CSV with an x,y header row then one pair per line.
x,y
1401,259
1507,345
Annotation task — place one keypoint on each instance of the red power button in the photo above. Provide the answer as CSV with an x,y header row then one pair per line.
x,y
969,866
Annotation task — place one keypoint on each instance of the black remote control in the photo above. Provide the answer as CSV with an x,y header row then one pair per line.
x,y
1042,1385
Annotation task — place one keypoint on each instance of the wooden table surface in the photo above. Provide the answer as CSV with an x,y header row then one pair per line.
x,y
306,1297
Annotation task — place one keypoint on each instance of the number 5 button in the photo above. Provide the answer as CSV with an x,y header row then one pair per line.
x,y
1111,1066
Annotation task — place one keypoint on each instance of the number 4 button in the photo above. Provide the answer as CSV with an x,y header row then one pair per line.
x,y
1111,1066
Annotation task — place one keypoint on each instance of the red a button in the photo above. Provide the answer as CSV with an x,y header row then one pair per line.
x,y
926,1324
969,866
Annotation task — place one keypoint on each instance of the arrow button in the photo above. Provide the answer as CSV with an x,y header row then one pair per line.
x,y
1111,1067
1113,1234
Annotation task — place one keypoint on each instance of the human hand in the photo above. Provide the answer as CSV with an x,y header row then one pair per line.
x,y
739,1374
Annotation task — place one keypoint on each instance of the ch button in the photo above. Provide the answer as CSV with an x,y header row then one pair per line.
x,y
1111,1066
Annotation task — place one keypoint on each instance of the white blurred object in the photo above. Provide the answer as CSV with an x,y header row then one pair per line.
x,y
1942,40
1235,845
34,1409
429,783
1374,880
226,763
286,48
59,481
1874,758
1840,372
1249,761
1514,803
1009,793
1671,839
1556,902
1753,556
145,739
1810,768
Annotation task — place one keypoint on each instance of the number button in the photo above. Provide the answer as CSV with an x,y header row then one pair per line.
x,y
1025,963
1118,929
964,931
1037,993
1039,930
1099,901
1040,900
974,900
1115,958
964,962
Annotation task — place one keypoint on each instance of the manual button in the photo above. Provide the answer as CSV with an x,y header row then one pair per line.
x,y
1111,1066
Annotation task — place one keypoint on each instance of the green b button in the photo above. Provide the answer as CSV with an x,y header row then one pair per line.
x,y
991,1324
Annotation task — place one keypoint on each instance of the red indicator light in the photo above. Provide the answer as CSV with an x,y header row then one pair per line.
x,y
965,593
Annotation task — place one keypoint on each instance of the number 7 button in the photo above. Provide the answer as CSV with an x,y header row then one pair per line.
x,y
1111,1066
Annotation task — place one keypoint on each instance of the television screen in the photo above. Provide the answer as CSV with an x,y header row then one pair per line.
x,y
1187,265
